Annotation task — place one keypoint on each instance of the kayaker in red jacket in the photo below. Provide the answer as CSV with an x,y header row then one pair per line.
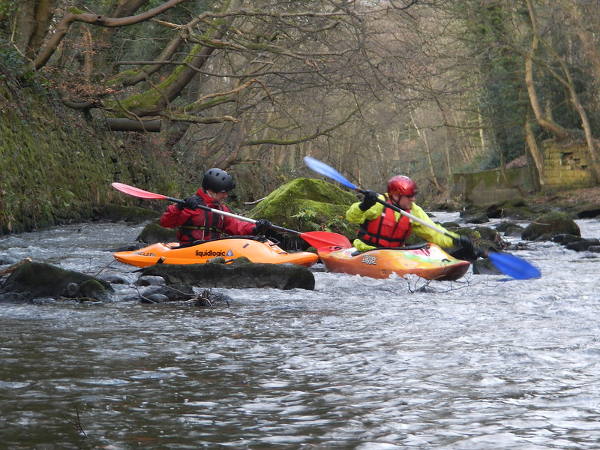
x,y
381,226
195,224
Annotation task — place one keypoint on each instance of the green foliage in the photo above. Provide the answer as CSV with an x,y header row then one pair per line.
x,y
8,9
503,100
10,59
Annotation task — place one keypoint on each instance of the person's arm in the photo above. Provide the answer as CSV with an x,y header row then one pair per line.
x,y
236,227
174,216
426,233
356,215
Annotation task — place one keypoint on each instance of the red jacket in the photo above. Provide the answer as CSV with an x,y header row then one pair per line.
x,y
199,224
385,230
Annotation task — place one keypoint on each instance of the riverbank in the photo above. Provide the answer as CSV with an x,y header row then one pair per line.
x,y
570,199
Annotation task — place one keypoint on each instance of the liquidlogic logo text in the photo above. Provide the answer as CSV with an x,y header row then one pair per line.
x,y
204,254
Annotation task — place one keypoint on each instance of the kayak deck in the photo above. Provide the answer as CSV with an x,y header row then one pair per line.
x,y
428,261
228,248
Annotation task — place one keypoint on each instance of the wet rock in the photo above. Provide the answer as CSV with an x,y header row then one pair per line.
x,y
510,229
565,238
582,245
153,233
546,226
208,298
588,213
35,280
448,225
150,281
113,278
492,236
176,292
516,209
235,275
479,218
154,298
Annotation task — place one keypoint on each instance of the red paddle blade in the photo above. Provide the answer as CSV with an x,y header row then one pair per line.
x,y
319,239
137,192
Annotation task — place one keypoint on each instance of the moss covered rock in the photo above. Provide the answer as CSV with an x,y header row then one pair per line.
x,y
546,226
307,204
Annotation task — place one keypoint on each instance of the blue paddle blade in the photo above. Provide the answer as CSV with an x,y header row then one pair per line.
x,y
328,171
514,266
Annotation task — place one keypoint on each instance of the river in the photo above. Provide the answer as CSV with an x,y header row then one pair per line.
x,y
357,363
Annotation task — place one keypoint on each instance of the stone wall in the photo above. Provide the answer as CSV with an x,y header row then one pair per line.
x,y
493,186
565,167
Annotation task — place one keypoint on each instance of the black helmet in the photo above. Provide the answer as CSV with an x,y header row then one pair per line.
x,y
217,180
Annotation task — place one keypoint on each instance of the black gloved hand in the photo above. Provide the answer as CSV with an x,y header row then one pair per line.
x,y
261,226
192,202
466,248
369,200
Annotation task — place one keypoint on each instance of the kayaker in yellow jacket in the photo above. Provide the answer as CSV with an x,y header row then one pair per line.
x,y
381,226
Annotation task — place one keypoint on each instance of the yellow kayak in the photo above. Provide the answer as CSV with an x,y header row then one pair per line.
x,y
428,261
228,248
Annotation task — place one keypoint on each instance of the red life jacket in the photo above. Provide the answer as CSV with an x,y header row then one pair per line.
x,y
385,231
203,225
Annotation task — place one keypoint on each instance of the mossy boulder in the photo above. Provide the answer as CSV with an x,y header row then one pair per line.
x,y
36,280
307,204
153,233
546,226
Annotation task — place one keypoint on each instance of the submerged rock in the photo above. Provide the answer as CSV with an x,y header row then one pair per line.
x,y
235,275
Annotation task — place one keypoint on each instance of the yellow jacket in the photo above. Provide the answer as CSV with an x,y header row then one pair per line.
x,y
355,215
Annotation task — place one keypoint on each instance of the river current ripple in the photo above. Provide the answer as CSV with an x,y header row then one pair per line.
x,y
484,362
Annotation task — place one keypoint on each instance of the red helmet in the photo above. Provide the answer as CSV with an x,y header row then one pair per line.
x,y
401,185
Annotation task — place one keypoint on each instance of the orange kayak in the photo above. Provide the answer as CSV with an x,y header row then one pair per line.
x,y
428,261
229,248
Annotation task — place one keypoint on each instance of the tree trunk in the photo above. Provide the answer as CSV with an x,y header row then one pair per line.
x,y
542,120
423,137
33,22
534,152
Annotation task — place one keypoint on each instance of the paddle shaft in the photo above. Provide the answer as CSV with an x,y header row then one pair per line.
x,y
478,250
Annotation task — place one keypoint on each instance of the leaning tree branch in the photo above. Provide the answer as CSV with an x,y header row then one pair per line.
x,y
94,19
196,119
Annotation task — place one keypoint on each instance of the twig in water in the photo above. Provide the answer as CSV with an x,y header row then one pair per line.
x,y
77,424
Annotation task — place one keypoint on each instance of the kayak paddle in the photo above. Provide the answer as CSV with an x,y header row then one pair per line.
x,y
317,239
506,263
